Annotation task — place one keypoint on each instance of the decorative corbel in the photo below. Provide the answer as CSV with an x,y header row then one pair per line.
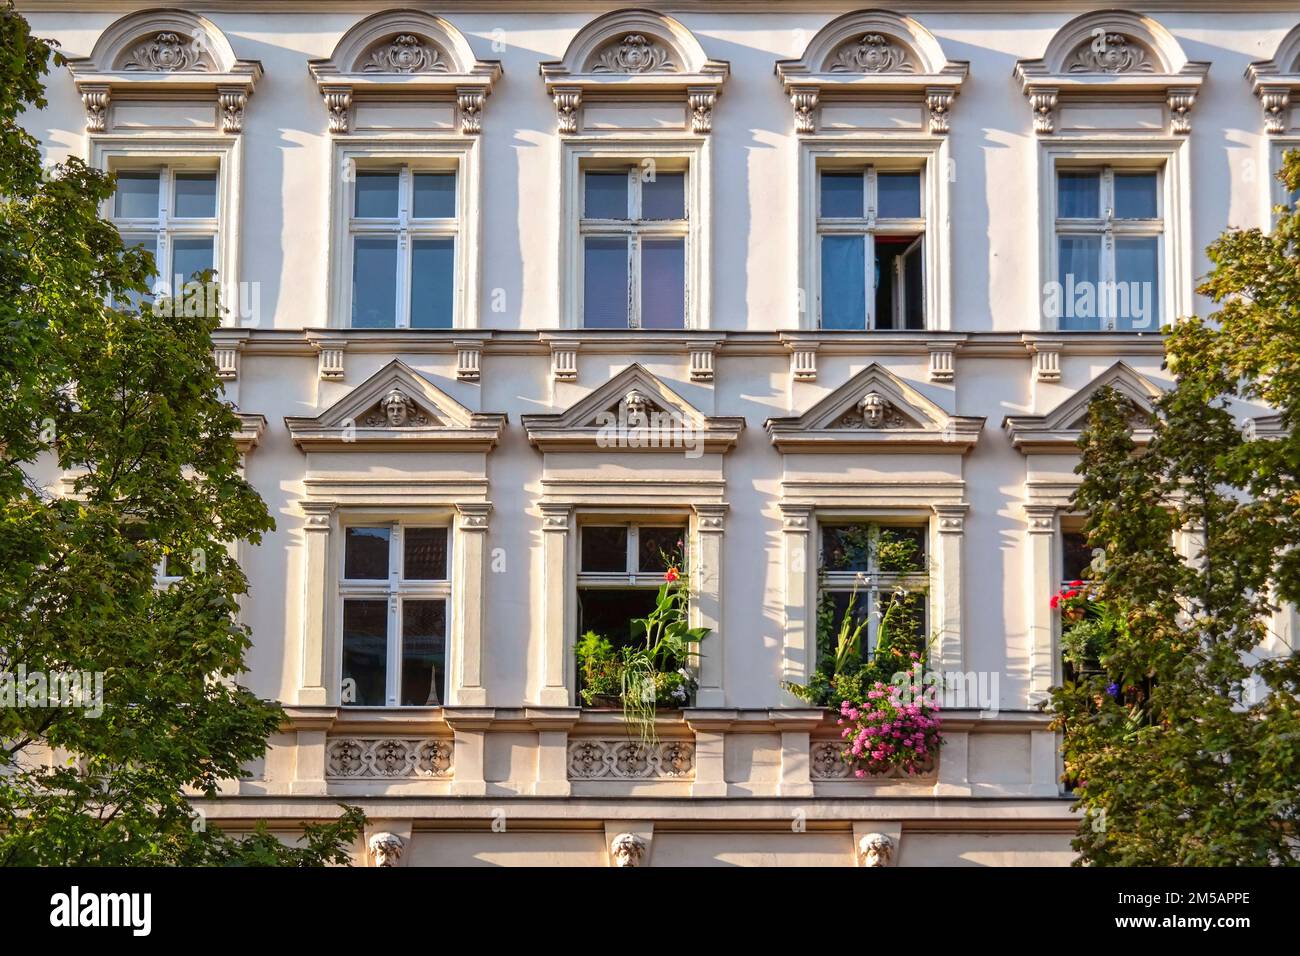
x,y
1276,101
1180,110
941,361
338,100
232,100
568,100
330,358
564,360
938,99
804,100
701,100
803,361
1043,103
702,363
468,356
470,101
1047,361
96,100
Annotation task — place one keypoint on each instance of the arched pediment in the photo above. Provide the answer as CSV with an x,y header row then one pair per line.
x,y
404,52
154,52
1277,84
632,52
871,52
1059,429
875,411
1111,51
397,409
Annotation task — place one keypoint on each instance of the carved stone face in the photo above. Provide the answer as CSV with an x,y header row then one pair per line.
x,y
873,408
628,849
638,406
386,848
875,849
397,408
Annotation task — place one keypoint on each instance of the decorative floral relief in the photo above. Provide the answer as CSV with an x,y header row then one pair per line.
x,y
388,758
635,53
169,52
405,53
873,411
874,53
826,762
1110,53
629,760
395,410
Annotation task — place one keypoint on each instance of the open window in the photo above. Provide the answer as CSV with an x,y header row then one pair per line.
x,y
879,574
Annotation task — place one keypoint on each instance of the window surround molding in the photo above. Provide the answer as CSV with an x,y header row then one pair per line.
x,y
1276,194
404,56
630,56
464,155
579,153
583,476
826,477
931,155
872,56
164,55
1167,154
1109,56
337,490
1049,443
1277,84
148,149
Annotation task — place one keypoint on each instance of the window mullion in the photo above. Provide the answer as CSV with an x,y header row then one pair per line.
x,y
634,279
869,276
394,614
633,550
405,200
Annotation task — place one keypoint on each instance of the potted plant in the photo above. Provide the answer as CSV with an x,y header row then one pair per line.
x,y
655,670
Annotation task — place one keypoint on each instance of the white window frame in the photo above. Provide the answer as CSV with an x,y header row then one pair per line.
x,y
631,576
395,590
1169,156
634,229
1110,228
674,155
113,153
928,155
434,155
165,226
869,225
1276,194
873,582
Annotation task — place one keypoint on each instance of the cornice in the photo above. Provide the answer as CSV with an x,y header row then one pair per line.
x,y
811,7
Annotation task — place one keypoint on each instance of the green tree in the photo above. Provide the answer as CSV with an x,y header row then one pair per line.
x,y
123,403
1185,748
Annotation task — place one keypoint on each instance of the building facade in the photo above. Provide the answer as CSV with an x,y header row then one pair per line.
x,y
863,268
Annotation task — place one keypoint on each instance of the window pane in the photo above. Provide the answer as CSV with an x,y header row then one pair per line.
x,y
1135,195
1078,271
365,554
1076,556
663,283
1078,195
376,195
844,282
898,195
843,195
604,549
902,549
365,652
604,284
435,196
196,195
605,195
374,283
136,196
424,652
655,544
846,547
1137,295
425,554
190,256
861,610
664,197
433,263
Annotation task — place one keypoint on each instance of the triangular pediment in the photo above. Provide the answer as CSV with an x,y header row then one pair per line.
x,y
397,407
1060,428
636,409
875,409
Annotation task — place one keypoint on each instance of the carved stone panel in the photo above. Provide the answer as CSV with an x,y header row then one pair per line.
x,y
388,758
623,759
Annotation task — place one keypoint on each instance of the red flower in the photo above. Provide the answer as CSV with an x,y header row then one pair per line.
x,y
1056,601
672,575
